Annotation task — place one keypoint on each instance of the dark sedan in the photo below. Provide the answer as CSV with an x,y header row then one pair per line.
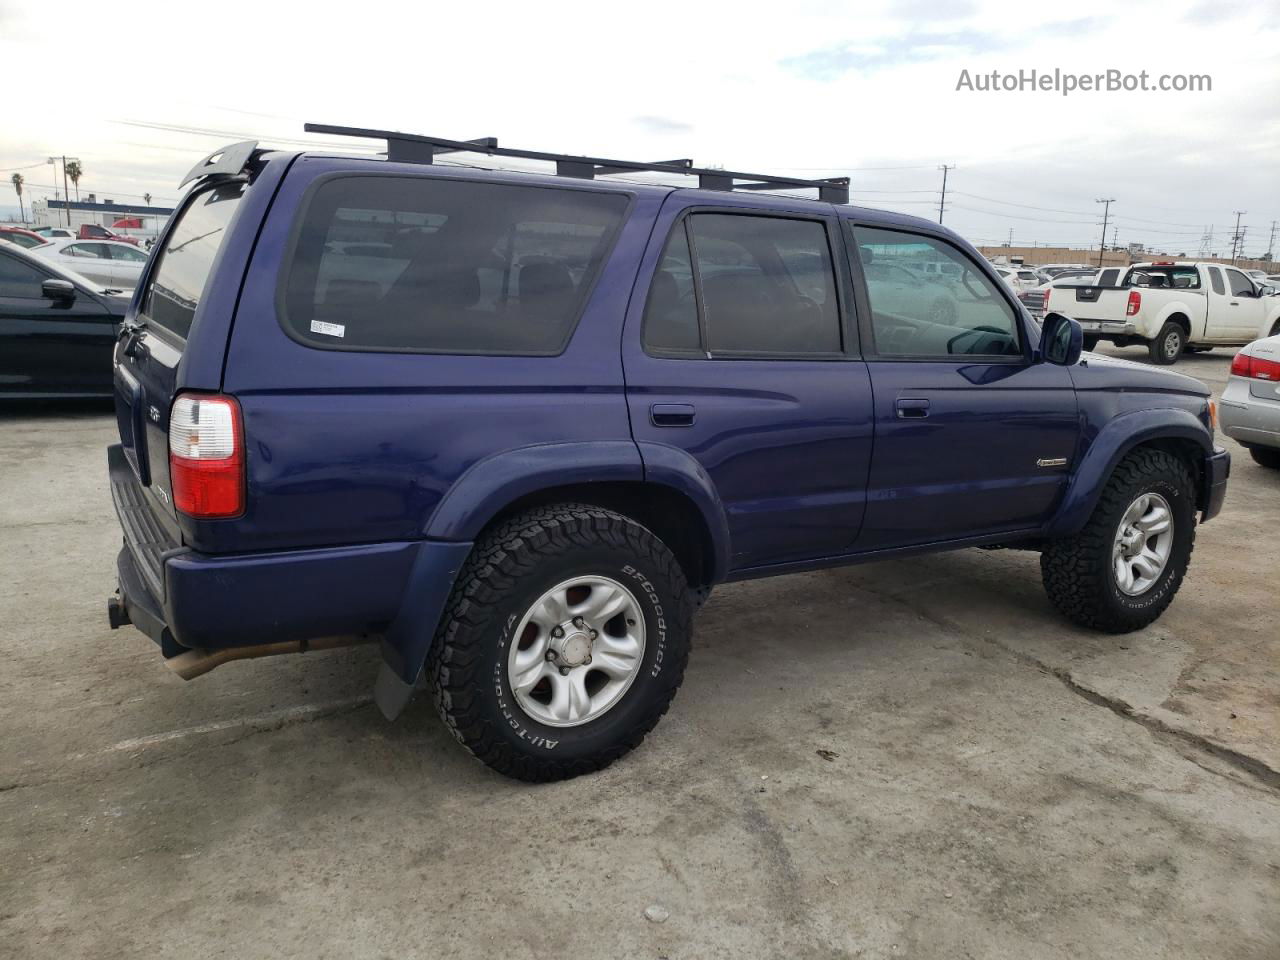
x,y
57,329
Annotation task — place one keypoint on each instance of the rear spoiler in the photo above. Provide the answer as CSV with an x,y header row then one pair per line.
x,y
226,161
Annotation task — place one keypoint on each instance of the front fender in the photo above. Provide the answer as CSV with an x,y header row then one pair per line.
x,y
1109,447
490,484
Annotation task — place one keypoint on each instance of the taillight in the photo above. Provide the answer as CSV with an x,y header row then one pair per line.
x,y
1135,303
206,456
1255,368
1045,303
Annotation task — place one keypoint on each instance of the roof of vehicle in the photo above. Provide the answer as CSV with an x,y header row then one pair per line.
x,y
61,243
410,151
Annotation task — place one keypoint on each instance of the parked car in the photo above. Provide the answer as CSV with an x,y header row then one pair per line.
x,y
1033,298
57,329
54,233
1172,306
543,416
21,237
104,261
1258,276
1250,407
93,231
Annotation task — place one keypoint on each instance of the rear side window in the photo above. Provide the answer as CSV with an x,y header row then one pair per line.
x,y
178,280
766,287
1215,280
446,266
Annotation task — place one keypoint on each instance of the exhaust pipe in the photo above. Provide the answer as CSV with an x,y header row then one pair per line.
x,y
197,662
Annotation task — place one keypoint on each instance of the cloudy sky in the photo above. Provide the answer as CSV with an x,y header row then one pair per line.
x,y
140,90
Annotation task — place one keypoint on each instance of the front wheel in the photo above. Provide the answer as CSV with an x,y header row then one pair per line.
x,y
1122,570
1168,345
563,644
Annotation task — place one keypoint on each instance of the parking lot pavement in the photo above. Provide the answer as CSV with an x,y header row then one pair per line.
x,y
992,782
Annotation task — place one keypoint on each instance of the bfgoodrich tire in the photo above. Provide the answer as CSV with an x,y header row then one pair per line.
x,y
565,639
1123,569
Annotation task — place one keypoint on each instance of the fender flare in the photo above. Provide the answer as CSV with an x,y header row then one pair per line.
x,y
676,468
1109,447
488,485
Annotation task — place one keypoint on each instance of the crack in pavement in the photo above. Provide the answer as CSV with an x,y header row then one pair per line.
x,y
249,726
1259,770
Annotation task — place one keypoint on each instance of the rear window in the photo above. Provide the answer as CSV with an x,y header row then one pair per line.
x,y
445,266
184,264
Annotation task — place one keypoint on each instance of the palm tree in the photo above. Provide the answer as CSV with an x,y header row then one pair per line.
x,y
17,180
146,198
74,172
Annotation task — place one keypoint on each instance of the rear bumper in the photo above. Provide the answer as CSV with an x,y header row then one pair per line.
x,y
1107,327
1249,417
1217,468
183,599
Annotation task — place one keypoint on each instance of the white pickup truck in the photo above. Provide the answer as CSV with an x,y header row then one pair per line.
x,y
1171,306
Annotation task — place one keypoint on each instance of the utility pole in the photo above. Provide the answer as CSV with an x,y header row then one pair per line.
x,y
65,192
1106,209
1271,242
1235,237
943,202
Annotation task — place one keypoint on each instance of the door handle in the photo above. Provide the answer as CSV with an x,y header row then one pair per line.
x,y
912,409
672,414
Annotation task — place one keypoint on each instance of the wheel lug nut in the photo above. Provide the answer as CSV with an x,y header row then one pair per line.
x,y
587,661
551,654
578,622
558,632
594,634
564,671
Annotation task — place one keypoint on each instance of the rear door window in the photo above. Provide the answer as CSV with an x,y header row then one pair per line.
x,y
765,285
178,280
431,265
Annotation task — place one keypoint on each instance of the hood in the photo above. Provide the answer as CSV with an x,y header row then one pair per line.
x,y
1096,371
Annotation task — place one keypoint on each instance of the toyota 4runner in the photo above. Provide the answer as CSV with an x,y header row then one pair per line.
x,y
514,427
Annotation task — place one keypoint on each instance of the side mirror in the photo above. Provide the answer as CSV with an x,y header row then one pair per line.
x,y
1061,340
63,291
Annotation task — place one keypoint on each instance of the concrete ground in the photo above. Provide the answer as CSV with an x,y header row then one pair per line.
x,y
910,759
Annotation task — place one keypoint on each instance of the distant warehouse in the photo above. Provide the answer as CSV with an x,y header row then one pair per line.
x,y
122,217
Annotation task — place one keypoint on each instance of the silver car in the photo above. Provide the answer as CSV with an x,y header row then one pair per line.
x,y
1250,407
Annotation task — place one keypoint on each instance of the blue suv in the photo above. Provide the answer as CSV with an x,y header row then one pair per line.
x,y
515,427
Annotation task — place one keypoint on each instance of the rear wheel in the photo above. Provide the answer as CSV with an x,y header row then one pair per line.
x,y
564,642
1265,457
1168,345
1122,570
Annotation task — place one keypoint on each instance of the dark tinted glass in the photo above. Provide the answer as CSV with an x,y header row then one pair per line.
x,y
179,278
447,266
1215,280
671,313
914,313
768,286
18,279
1241,286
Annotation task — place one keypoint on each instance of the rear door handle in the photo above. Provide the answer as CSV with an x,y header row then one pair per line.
x,y
672,414
912,409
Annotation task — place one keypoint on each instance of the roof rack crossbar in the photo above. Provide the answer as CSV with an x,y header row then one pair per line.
x,y
413,148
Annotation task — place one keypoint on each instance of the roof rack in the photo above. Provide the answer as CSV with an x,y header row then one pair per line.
x,y
412,148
